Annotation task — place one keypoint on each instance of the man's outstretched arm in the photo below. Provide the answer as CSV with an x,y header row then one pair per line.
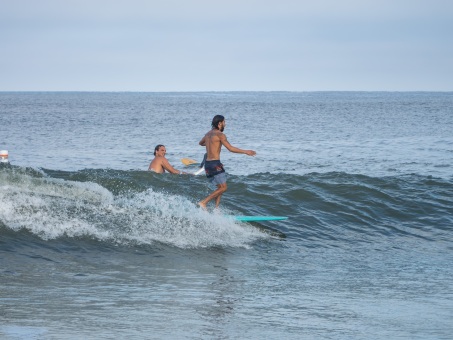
x,y
234,149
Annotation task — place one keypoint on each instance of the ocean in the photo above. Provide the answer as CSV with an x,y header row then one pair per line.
x,y
94,246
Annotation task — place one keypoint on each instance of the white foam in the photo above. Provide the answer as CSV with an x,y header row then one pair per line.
x,y
53,208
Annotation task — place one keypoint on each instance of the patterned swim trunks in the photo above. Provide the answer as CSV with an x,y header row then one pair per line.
x,y
215,172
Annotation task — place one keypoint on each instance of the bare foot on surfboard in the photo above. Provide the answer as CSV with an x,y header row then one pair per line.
x,y
202,206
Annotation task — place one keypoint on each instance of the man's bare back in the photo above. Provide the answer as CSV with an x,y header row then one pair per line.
x,y
213,143
214,140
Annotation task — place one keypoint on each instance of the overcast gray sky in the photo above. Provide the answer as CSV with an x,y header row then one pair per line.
x,y
243,45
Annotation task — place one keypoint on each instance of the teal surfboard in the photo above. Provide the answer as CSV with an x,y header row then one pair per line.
x,y
258,218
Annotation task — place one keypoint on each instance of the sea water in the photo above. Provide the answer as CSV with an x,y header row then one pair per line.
x,y
92,245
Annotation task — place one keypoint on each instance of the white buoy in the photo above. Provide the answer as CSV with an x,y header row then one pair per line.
x,y
4,156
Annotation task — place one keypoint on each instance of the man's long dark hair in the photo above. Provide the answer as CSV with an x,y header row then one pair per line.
x,y
216,120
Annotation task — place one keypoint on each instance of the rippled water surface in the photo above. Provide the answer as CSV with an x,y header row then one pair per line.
x,y
94,246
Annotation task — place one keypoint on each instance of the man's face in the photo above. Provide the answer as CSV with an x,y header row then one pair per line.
x,y
161,152
222,125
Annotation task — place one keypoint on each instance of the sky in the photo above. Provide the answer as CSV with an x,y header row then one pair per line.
x,y
234,45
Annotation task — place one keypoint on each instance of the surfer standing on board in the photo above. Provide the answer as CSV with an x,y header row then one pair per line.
x,y
160,164
213,142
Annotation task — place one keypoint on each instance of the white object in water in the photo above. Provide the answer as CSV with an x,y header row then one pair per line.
x,y
3,156
199,171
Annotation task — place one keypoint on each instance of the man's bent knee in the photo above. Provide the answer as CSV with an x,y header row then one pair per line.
x,y
223,187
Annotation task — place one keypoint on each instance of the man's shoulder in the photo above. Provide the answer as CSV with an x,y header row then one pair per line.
x,y
158,160
215,136
214,133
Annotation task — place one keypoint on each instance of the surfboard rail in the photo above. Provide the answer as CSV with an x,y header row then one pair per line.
x,y
242,218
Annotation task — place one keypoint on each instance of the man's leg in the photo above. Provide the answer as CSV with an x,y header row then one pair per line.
x,y
217,200
221,188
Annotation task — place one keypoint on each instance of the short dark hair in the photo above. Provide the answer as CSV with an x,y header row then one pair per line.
x,y
216,120
157,148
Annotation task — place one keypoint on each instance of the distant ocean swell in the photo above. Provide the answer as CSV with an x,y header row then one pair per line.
x,y
373,208
138,207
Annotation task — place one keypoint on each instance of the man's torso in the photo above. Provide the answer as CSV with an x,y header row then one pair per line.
x,y
156,165
213,145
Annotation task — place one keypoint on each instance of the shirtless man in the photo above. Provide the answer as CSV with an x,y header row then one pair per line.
x,y
160,164
213,142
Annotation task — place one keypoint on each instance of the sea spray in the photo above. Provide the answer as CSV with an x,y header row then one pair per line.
x,y
52,208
